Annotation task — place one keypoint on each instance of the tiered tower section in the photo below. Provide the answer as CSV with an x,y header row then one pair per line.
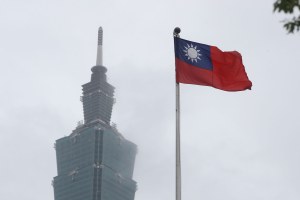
x,y
98,97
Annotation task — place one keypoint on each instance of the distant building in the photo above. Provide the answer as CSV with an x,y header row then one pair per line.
x,y
95,162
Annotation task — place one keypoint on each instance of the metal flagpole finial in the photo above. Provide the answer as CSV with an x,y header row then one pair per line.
x,y
176,32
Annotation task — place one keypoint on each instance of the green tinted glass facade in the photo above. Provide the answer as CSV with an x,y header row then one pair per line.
x,y
94,163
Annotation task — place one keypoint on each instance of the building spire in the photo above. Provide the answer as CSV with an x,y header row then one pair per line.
x,y
99,61
98,94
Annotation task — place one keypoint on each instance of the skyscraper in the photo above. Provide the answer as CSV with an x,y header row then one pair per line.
x,y
95,162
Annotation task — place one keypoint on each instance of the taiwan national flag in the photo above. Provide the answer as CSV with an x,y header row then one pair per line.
x,y
202,64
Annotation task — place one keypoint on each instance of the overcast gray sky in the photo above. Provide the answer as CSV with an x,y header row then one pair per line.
x,y
235,146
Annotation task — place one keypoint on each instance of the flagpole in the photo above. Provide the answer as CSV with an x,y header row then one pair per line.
x,y
178,161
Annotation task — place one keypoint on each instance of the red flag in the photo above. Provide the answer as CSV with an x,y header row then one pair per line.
x,y
202,64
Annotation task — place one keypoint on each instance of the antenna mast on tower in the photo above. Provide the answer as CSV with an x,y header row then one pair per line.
x,y
99,61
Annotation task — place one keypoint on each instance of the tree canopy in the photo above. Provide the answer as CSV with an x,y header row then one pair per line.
x,y
289,7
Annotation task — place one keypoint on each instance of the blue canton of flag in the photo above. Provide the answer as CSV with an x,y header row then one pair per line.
x,y
193,53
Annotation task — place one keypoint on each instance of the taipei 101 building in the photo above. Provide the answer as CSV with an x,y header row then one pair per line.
x,y
95,162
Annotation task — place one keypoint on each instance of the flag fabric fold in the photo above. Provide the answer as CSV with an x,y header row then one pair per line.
x,y
206,65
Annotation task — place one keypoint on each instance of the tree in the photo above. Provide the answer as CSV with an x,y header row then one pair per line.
x,y
288,7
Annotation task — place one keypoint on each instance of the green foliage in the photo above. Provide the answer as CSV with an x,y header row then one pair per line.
x,y
288,7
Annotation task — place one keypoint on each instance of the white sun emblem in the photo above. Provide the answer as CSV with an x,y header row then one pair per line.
x,y
192,53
